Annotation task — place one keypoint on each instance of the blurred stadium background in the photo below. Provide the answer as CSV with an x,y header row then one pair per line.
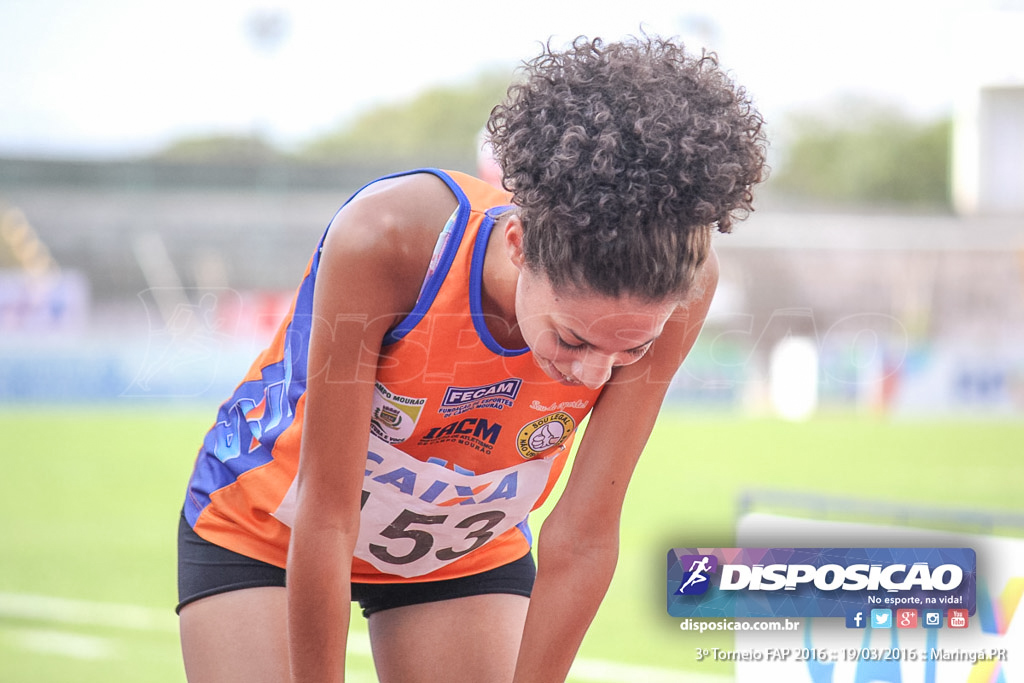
x,y
871,309
156,279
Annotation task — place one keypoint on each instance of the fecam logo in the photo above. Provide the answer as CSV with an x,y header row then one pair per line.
x,y
696,579
500,395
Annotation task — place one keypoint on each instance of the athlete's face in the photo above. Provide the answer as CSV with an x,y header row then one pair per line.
x,y
580,337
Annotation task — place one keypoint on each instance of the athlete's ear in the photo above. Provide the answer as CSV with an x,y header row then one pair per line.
x,y
514,240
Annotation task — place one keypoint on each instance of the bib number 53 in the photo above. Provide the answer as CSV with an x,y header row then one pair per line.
x,y
478,532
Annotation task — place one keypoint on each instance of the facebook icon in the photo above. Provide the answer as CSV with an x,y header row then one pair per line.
x,y
856,619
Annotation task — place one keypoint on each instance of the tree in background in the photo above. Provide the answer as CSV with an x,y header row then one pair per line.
x,y
220,148
441,125
861,152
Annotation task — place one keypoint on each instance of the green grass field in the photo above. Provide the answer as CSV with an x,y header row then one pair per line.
x,y
91,500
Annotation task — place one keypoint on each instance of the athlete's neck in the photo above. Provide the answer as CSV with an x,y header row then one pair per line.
x,y
498,290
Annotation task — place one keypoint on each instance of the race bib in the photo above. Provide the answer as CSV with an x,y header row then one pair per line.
x,y
419,516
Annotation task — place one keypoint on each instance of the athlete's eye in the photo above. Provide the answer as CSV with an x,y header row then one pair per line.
x,y
639,353
634,355
567,346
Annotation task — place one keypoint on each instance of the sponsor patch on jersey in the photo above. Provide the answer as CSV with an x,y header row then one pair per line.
x,y
475,432
394,416
544,433
499,395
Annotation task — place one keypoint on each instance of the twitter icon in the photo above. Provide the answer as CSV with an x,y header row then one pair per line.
x,y
881,618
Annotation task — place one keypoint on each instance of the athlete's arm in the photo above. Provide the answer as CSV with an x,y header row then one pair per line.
x,y
578,544
372,264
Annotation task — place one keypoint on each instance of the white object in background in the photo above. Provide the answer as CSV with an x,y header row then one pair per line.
x,y
793,378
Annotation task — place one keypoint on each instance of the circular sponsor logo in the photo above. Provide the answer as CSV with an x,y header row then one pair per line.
x,y
544,433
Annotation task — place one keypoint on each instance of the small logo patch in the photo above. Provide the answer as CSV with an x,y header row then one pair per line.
x,y
544,433
394,416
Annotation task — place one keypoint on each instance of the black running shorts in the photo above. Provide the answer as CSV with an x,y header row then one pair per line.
x,y
206,569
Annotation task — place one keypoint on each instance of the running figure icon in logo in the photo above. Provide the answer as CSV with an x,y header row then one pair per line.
x,y
696,581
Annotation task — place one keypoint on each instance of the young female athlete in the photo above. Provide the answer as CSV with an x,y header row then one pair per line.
x,y
445,344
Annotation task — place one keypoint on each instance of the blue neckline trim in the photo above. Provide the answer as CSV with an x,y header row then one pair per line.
x,y
476,273
433,285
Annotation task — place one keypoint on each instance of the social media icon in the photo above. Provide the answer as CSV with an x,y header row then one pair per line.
x,y
856,619
957,618
932,618
906,618
881,618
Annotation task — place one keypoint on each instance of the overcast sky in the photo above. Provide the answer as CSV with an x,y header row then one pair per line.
x,y
116,77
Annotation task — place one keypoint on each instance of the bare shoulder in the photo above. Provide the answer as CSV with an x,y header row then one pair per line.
x,y
394,200
394,212
386,234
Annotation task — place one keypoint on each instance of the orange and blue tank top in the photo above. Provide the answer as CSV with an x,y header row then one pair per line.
x,y
466,436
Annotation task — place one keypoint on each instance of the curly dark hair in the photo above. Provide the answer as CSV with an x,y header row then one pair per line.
x,y
622,158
